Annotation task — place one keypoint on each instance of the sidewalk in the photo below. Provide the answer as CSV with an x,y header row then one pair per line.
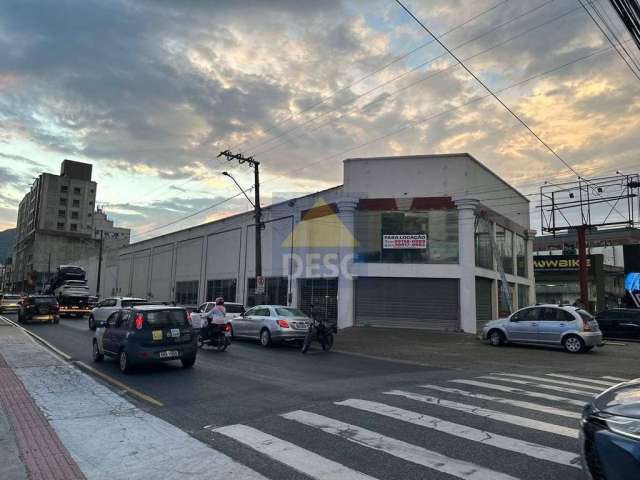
x,y
462,351
64,425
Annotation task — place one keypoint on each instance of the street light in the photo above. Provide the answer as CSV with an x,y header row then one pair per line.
x,y
227,174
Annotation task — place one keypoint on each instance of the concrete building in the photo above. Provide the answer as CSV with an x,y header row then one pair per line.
x,y
55,224
419,241
112,236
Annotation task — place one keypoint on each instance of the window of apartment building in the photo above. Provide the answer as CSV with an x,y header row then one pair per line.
x,y
89,214
91,191
76,203
64,189
504,244
439,226
221,288
73,227
74,215
505,299
88,227
62,213
484,254
60,226
77,190
187,293
63,201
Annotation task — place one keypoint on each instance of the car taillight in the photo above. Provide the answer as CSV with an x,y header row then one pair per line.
x,y
227,327
138,321
189,317
585,325
283,323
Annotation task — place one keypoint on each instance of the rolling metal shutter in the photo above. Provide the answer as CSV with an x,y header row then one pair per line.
x,y
484,308
322,292
430,303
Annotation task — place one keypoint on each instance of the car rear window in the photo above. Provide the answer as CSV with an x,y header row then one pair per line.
x,y
133,303
585,315
234,308
44,300
290,312
166,318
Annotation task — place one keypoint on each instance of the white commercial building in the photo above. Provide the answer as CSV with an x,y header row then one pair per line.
x,y
421,241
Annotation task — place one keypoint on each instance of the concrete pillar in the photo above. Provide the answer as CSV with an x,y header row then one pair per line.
x,y
530,272
467,259
346,214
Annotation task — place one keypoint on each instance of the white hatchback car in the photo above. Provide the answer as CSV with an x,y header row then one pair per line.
x,y
106,307
572,328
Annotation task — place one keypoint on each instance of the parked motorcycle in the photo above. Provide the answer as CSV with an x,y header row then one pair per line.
x,y
322,332
214,335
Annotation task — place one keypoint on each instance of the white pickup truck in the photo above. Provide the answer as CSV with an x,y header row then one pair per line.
x,y
198,317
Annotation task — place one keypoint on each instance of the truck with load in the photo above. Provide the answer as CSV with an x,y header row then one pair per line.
x,y
69,285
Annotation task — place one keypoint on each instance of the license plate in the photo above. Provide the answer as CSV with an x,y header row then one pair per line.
x,y
157,334
175,332
169,354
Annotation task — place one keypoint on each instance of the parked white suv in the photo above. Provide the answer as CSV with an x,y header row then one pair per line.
x,y
572,328
107,306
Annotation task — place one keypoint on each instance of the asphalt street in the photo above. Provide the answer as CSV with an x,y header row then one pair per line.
x,y
334,415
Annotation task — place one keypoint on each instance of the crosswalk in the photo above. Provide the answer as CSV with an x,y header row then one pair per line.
x,y
497,426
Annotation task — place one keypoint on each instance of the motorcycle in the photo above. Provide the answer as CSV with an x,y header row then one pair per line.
x,y
215,335
320,331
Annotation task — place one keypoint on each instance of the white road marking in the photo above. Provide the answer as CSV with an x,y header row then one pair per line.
x,y
538,385
298,458
617,379
520,391
516,403
582,379
487,413
397,448
553,381
468,433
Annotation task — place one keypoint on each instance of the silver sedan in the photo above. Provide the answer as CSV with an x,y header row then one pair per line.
x,y
271,324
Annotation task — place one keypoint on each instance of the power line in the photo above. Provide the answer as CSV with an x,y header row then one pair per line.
x,y
635,73
411,70
477,79
584,57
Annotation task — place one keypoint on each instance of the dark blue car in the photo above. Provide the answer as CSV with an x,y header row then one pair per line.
x,y
610,433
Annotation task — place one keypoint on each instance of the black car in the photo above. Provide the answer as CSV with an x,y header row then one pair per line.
x,y
620,323
610,434
43,308
146,334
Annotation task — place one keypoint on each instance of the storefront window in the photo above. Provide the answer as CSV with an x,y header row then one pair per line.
x,y
484,256
521,256
438,227
523,296
187,293
221,288
505,299
504,244
276,291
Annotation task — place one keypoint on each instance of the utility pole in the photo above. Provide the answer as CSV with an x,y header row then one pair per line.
x,y
99,263
582,267
257,213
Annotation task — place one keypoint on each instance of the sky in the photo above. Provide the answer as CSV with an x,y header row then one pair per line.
x,y
150,91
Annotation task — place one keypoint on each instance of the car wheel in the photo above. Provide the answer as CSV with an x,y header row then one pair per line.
x,y
56,319
496,338
573,344
125,364
188,362
97,356
265,338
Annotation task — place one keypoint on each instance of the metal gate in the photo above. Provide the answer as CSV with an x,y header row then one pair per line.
x,y
322,292
430,303
484,305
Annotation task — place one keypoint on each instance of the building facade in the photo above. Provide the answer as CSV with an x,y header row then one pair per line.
x,y
435,241
54,225
111,236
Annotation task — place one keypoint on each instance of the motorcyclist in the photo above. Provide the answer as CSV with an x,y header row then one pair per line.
x,y
216,316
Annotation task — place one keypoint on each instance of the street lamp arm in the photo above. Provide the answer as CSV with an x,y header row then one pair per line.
x,y
227,174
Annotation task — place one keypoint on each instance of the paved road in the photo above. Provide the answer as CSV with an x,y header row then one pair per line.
x,y
335,416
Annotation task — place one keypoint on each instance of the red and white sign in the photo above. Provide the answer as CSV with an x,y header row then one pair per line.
x,y
417,241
